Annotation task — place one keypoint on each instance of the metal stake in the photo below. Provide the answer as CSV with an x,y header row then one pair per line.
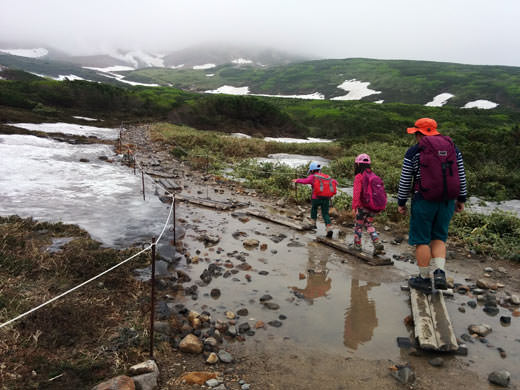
x,y
142,179
174,238
152,309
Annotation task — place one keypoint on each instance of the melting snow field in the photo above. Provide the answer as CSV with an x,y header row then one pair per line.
x,y
311,96
31,53
440,100
137,56
292,160
357,90
483,104
70,77
205,66
85,118
121,78
230,90
241,61
69,128
44,179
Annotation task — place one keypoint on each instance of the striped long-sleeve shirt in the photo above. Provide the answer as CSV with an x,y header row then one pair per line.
x,y
411,174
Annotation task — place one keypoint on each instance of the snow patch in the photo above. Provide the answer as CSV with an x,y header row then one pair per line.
x,y
70,128
121,78
31,53
297,140
440,100
241,61
230,90
315,96
240,135
483,104
379,101
205,66
176,66
115,68
85,118
210,74
70,77
357,90
292,160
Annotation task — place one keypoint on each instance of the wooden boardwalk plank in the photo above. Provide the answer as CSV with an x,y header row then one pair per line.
x,y
280,220
432,324
215,204
371,260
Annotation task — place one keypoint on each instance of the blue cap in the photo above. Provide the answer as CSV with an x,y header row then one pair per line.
x,y
314,166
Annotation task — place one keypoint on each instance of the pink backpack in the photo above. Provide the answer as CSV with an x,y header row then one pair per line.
x,y
373,195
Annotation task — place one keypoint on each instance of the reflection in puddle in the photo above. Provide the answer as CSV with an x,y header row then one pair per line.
x,y
318,282
360,316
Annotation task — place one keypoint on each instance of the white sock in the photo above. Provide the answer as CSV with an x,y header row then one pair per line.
x,y
424,272
437,263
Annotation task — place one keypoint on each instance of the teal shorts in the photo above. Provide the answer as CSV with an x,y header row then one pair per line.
x,y
429,221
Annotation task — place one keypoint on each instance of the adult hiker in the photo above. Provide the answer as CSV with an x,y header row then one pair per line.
x,y
368,199
323,189
433,172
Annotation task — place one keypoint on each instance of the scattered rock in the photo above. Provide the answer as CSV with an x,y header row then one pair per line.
x,y
514,299
502,352
230,315
244,327
472,304
146,381
143,368
212,383
265,298
462,351
197,377
482,330
209,239
500,378
403,374
243,312
251,243
259,324
225,357
212,358
505,320
271,305
275,323
121,382
191,344
404,342
301,276
215,293
436,362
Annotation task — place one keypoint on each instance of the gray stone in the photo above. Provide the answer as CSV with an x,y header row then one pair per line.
x,y
488,269
404,374
146,381
225,357
143,368
275,323
436,362
242,312
265,298
482,330
500,378
212,383
514,299
245,386
191,344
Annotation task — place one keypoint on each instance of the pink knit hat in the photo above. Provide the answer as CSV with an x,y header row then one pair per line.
x,y
362,159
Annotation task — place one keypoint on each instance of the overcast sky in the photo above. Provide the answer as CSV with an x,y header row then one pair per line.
x,y
465,31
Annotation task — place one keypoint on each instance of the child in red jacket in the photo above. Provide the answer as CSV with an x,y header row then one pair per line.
x,y
364,217
316,200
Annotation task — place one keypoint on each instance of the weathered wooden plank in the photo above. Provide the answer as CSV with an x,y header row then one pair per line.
x,y
371,260
280,220
433,327
441,321
162,174
169,185
215,204
422,318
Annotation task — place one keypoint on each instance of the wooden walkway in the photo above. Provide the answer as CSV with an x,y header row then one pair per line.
x,y
369,259
215,204
301,226
432,323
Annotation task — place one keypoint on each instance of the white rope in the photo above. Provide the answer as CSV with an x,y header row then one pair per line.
x,y
93,278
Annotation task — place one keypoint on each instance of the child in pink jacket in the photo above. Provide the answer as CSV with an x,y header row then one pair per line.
x,y
363,216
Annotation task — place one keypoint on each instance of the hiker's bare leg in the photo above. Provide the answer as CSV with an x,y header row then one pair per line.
x,y
438,249
423,254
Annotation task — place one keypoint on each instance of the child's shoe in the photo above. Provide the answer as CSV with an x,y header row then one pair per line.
x,y
422,284
379,248
355,246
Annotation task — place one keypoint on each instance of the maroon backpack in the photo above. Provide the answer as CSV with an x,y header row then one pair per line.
x,y
438,166
373,195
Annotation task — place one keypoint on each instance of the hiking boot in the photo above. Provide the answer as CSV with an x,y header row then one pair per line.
x,y
356,247
379,248
439,280
422,284
329,234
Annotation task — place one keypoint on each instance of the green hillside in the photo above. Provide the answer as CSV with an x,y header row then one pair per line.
x,y
403,81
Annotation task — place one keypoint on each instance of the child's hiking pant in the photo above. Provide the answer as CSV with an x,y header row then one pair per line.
x,y
324,204
364,218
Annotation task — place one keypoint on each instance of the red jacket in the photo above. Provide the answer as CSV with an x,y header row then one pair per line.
x,y
309,180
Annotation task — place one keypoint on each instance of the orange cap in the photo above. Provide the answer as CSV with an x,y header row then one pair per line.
x,y
426,126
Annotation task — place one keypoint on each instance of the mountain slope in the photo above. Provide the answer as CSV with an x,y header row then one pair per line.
x,y
414,82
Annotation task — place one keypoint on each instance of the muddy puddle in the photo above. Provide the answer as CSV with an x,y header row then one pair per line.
x,y
342,306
